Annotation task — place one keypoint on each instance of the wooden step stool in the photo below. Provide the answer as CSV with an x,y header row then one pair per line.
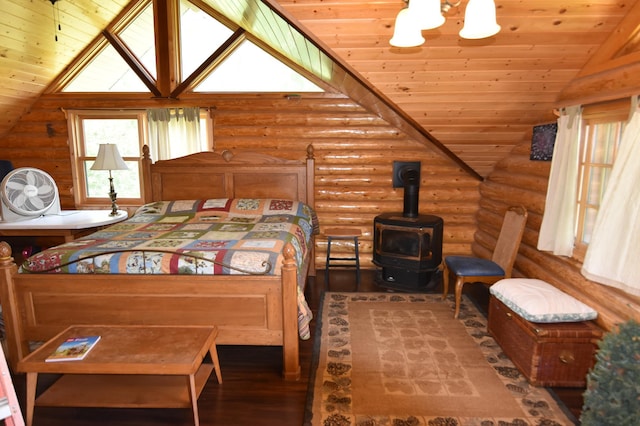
x,y
353,262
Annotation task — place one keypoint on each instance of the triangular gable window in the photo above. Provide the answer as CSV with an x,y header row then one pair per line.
x,y
245,67
107,72
139,37
237,73
196,26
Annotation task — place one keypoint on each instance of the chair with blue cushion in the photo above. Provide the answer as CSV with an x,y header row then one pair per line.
x,y
469,269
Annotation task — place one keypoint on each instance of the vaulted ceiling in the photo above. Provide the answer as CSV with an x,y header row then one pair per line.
x,y
477,98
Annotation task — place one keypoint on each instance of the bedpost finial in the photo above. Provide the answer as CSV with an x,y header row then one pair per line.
x,y
288,252
310,152
227,155
5,250
146,153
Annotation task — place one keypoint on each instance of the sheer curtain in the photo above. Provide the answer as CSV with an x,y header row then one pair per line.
x,y
173,132
558,222
613,255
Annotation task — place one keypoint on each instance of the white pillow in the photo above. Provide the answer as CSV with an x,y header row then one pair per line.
x,y
538,301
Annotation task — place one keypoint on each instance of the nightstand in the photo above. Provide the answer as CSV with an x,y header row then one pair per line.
x,y
28,235
69,224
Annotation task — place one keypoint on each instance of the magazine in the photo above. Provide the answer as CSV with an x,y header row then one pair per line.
x,y
73,349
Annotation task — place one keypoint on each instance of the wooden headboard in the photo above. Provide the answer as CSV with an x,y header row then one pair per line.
x,y
229,175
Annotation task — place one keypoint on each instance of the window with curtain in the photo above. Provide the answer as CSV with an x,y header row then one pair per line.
x,y
176,133
600,161
613,251
601,136
584,152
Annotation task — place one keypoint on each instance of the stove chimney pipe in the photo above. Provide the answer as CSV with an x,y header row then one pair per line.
x,y
411,182
406,174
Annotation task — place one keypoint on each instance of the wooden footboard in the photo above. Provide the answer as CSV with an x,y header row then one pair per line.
x,y
248,310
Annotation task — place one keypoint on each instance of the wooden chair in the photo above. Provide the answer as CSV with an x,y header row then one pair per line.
x,y
469,269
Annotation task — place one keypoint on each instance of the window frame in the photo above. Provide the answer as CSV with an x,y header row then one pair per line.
x,y
593,116
79,157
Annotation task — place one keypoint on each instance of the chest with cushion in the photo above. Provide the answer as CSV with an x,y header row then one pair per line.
x,y
550,336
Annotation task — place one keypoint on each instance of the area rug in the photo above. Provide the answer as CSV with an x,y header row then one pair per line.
x,y
397,359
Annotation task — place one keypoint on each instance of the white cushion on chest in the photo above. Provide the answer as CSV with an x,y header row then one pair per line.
x,y
538,301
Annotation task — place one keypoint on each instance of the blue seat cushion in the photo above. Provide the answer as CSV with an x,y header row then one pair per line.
x,y
468,266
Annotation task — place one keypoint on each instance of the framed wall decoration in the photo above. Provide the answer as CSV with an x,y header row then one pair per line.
x,y
542,142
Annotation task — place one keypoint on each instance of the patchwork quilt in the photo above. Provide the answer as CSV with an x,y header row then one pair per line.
x,y
214,236
221,236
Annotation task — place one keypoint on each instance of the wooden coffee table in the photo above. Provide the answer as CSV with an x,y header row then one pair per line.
x,y
131,367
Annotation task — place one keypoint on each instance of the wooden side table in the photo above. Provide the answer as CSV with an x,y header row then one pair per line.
x,y
130,367
45,231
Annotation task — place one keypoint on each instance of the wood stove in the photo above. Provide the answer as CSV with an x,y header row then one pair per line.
x,y
408,245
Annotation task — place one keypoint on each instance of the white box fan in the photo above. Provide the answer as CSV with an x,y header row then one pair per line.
x,y
26,193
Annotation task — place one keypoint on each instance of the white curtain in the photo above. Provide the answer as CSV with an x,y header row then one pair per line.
x,y
173,132
558,222
613,255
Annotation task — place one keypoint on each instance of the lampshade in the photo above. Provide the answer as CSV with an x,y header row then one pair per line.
x,y
109,158
480,20
428,13
407,31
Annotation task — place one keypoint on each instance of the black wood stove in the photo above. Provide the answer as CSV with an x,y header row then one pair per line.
x,y
408,245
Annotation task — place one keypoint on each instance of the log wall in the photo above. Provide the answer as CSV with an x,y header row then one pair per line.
x,y
517,180
354,153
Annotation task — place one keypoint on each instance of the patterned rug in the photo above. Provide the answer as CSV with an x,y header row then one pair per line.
x,y
402,360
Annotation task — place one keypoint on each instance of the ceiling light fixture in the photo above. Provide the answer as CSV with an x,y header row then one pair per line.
x,y
479,20
56,18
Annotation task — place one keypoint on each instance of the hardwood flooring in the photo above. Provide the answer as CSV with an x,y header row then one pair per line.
x,y
253,392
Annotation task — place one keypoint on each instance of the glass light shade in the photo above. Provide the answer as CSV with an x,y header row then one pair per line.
x,y
109,158
427,13
480,20
406,32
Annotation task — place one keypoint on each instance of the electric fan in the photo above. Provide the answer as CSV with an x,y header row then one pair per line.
x,y
26,193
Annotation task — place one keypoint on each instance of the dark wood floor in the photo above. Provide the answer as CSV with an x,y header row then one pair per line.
x,y
253,392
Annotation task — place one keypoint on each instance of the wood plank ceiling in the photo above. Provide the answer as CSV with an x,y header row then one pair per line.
x,y
479,98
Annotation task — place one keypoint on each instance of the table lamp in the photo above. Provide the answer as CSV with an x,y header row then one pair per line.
x,y
109,159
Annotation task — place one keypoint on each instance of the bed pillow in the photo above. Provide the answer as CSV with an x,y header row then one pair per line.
x,y
538,301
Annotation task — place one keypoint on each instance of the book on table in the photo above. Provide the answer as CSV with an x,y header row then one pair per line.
x,y
73,349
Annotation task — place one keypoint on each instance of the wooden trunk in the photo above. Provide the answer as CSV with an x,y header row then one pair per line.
x,y
553,354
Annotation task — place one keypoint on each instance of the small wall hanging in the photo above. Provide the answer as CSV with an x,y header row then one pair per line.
x,y
542,142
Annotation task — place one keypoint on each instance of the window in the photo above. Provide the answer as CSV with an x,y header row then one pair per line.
x,y
237,73
601,136
89,130
129,131
245,66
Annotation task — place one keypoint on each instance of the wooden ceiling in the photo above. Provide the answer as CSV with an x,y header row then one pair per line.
x,y
478,98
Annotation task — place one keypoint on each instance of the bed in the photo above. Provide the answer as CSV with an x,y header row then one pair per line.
x,y
260,305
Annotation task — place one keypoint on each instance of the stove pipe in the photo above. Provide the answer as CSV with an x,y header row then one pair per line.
x,y
411,183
